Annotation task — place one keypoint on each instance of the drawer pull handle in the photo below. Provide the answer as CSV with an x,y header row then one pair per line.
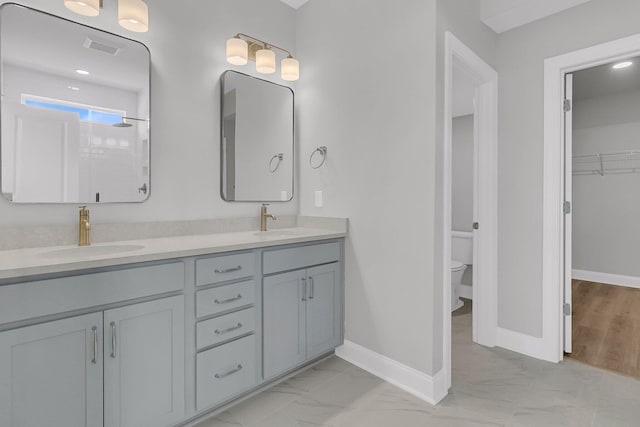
x,y
227,301
231,329
94,356
114,340
231,372
228,270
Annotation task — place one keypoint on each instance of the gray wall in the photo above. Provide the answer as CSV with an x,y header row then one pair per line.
x,y
187,46
521,55
606,209
462,171
368,94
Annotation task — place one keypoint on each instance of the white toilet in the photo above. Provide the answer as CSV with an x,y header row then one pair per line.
x,y
457,271
461,256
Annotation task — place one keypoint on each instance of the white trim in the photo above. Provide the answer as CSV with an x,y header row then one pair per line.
x,y
607,278
522,343
428,388
553,178
485,321
466,291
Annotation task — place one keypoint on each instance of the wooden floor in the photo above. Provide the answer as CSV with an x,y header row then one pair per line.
x,y
606,326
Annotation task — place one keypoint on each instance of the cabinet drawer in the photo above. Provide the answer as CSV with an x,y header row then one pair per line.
x,y
300,257
223,328
226,371
224,268
52,296
224,298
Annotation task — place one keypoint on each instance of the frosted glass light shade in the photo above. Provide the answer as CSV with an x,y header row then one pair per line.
x,y
84,7
290,69
133,15
265,61
237,51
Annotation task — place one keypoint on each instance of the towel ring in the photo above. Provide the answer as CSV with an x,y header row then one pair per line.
x,y
323,152
277,157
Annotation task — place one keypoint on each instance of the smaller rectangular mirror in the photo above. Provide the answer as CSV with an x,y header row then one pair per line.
x,y
257,144
75,111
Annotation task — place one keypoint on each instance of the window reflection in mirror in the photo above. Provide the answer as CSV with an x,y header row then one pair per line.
x,y
257,146
75,111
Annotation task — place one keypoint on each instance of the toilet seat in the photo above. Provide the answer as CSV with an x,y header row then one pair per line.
x,y
457,265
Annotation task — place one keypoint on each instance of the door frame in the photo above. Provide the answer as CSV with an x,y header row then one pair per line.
x,y
554,176
485,320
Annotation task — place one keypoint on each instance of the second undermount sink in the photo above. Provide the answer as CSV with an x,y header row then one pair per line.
x,y
91,251
275,233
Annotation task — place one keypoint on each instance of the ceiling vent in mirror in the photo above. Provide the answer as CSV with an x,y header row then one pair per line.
x,y
100,47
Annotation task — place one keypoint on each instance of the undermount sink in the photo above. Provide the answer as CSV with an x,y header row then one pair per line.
x,y
275,233
91,251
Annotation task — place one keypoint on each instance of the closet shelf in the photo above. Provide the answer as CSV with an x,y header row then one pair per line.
x,y
621,162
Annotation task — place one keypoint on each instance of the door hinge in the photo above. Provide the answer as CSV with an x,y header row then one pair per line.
x,y
567,105
566,208
566,309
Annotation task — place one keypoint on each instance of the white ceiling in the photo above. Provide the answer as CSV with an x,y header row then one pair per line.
x,y
604,80
505,15
55,46
294,3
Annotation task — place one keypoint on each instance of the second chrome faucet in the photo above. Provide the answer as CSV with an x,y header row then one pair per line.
x,y
263,217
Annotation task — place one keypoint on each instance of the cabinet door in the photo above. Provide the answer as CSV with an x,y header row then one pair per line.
x,y
323,309
144,364
51,374
283,322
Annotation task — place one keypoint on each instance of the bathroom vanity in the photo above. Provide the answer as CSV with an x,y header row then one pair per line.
x,y
158,332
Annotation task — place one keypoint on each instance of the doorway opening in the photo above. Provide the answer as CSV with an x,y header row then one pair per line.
x,y
564,172
602,175
470,133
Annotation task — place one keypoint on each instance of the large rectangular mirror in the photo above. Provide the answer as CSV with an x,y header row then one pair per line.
x,y
75,111
257,139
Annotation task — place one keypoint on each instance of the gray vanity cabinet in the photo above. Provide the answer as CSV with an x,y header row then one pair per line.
x,y
144,364
284,322
51,374
301,316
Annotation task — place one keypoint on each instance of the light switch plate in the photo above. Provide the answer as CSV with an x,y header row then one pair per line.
x,y
319,202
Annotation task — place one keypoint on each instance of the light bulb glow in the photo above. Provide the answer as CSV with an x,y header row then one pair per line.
x,y
83,72
133,15
84,7
623,64
237,51
290,69
265,61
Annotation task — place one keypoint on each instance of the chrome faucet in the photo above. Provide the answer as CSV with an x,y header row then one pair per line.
x,y
263,217
84,227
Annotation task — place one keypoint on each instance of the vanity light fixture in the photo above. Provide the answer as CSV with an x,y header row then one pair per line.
x,y
623,64
242,48
132,14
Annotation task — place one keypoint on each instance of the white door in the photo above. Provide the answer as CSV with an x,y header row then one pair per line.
x,y
144,364
51,374
46,155
568,183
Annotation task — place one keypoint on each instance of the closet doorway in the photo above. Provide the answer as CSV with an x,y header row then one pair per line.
x,y
602,205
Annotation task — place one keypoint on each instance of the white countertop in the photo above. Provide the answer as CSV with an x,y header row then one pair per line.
x,y
54,259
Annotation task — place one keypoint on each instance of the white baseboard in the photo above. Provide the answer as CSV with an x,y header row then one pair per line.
x,y
466,291
522,343
430,389
607,278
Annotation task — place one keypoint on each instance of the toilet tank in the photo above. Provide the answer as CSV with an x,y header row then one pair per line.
x,y
462,246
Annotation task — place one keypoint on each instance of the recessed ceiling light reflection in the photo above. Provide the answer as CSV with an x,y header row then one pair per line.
x,y
83,72
623,64
73,88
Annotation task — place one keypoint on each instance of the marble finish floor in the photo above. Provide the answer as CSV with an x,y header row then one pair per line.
x,y
491,387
